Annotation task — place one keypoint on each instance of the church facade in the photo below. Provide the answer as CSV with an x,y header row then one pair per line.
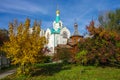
x,y
58,34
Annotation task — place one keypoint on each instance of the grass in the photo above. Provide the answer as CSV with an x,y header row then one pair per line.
x,y
70,72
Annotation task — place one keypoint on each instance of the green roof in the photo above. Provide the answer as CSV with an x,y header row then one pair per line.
x,y
53,31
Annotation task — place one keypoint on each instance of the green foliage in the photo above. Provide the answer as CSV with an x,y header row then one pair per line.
x,y
70,72
81,57
62,54
118,44
111,20
46,59
103,47
24,47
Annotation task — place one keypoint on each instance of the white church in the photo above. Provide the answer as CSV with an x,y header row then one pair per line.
x,y
59,34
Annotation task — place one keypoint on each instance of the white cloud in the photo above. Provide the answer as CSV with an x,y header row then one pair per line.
x,y
20,7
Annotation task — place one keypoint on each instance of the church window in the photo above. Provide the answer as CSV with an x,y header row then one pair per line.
x,y
65,34
60,24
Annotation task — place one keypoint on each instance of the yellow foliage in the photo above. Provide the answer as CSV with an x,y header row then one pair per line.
x,y
24,48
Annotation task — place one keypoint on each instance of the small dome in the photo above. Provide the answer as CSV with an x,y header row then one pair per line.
x,y
57,12
75,24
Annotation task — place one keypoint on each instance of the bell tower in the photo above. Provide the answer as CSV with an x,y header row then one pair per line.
x,y
57,24
76,32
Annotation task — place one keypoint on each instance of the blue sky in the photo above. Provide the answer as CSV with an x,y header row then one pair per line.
x,y
81,11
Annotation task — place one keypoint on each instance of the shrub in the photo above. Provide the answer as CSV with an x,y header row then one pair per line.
x,y
102,48
46,59
62,54
81,57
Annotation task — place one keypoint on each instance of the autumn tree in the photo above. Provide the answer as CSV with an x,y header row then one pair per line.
x,y
25,46
103,48
111,20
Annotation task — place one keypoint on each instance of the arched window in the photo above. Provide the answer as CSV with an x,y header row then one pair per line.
x,y
65,34
60,24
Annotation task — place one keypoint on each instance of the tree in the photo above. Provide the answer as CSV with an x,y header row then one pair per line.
x,y
111,20
3,36
103,48
24,48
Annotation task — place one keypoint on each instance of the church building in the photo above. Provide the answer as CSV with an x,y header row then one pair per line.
x,y
58,34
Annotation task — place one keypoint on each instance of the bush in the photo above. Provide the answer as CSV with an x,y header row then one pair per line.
x,y
101,49
46,59
62,54
81,57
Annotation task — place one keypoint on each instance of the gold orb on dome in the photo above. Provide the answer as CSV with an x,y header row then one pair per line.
x,y
57,12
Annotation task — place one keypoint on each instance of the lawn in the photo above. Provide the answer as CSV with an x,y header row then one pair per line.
x,y
70,72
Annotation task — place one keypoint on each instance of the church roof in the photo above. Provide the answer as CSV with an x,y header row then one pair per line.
x,y
76,32
53,31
